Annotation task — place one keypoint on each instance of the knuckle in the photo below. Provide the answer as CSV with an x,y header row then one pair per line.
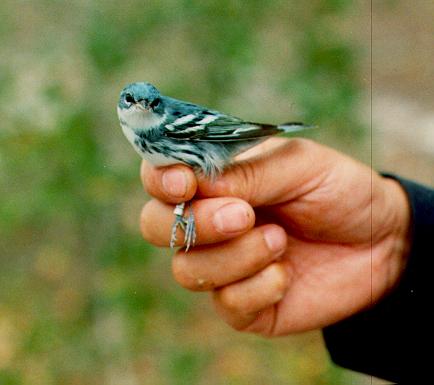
x,y
299,145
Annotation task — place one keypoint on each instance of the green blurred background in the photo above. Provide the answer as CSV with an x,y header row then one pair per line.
x,y
83,299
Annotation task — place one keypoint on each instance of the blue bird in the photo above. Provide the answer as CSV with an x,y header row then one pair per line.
x,y
167,131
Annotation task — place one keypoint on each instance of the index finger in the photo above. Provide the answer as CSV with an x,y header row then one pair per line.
x,y
170,184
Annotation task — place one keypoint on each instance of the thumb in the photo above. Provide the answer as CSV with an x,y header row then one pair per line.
x,y
273,172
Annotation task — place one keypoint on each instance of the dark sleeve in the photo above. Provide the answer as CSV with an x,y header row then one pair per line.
x,y
393,340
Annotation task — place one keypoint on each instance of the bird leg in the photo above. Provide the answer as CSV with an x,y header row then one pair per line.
x,y
186,224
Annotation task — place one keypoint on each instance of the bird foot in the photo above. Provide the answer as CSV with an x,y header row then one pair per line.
x,y
188,225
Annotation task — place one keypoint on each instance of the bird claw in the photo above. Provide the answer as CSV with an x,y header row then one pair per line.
x,y
190,230
186,224
179,222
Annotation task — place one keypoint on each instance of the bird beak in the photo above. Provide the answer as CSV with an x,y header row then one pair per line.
x,y
142,105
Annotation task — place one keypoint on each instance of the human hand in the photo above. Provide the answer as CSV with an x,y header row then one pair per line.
x,y
293,237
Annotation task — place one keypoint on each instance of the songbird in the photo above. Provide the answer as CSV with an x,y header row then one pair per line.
x,y
166,131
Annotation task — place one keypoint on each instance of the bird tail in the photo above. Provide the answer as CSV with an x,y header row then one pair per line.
x,y
294,127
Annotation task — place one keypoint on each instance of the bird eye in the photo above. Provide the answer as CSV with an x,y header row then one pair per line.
x,y
129,98
155,103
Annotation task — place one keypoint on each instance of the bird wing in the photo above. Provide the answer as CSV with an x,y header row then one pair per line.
x,y
212,126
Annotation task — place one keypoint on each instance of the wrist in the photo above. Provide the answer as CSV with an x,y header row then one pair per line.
x,y
399,233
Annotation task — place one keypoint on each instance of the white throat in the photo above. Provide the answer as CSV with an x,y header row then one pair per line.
x,y
139,118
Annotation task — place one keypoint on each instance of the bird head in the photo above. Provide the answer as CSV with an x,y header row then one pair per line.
x,y
140,97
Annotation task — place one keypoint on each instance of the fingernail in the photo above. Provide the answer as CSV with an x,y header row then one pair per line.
x,y
231,218
175,183
275,238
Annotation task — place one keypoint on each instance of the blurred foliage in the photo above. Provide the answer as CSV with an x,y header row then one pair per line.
x,y
83,299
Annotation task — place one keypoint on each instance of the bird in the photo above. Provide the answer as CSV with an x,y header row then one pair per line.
x,y
166,131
